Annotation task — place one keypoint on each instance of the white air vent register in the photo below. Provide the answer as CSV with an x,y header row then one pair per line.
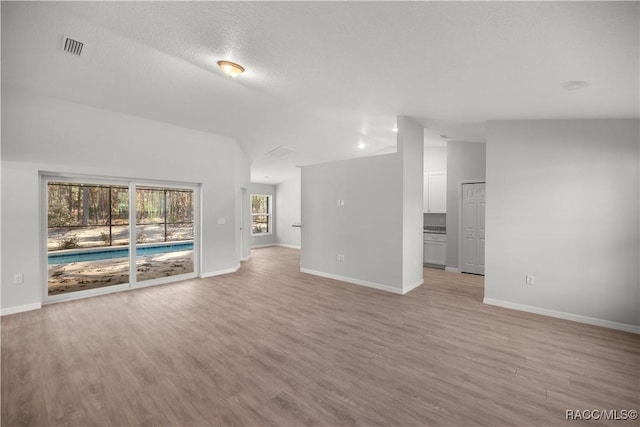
x,y
281,151
72,46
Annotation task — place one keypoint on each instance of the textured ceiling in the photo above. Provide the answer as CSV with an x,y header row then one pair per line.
x,y
324,76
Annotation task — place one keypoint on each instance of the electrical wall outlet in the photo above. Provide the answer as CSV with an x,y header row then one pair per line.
x,y
18,279
530,279
340,257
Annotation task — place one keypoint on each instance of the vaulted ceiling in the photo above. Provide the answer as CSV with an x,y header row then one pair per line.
x,y
323,77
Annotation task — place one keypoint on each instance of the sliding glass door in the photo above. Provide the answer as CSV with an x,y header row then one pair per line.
x,y
96,232
164,232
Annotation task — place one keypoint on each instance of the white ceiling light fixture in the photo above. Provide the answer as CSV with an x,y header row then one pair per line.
x,y
395,128
361,145
575,85
231,69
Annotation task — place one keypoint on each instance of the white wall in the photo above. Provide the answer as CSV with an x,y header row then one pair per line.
x,y
46,134
411,149
288,206
379,228
465,161
367,229
243,225
563,205
437,220
267,190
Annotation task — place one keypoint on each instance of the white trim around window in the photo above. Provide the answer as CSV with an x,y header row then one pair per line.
x,y
261,209
132,184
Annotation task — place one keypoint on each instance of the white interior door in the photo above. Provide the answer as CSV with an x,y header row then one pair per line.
x,y
473,228
480,215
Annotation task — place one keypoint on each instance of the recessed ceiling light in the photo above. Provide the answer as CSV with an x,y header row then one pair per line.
x,y
231,69
395,129
361,145
575,85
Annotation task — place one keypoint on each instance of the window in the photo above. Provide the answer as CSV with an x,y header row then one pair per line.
x,y
163,214
91,234
86,215
260,214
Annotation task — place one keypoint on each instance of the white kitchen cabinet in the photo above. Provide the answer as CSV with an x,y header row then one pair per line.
x,y
435,192
435,248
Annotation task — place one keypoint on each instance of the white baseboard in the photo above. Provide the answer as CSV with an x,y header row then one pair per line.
x,y
270,245
354,281
282,245
452,269
20,308
412,287
266,245
220,272
247,258
566,316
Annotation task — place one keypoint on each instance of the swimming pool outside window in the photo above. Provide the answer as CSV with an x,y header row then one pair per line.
x,y
89,228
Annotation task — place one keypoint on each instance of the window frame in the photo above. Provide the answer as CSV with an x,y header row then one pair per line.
x,y
132,184
269,214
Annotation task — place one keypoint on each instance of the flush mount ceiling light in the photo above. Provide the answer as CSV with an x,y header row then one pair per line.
x,y
361,145
231,69
575,85
395,129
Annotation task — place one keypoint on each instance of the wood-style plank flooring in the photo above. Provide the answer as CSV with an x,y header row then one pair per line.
x,y
270,346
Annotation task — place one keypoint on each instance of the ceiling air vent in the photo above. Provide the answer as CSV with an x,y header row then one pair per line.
x,y
280,151
72,46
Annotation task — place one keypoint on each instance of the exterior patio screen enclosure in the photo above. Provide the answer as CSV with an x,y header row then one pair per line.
x,y
90,228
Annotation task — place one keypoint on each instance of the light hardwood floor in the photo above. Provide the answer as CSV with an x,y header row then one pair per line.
x,y
270,346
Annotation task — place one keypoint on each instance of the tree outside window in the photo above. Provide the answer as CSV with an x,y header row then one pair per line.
x,y
260,214
94,215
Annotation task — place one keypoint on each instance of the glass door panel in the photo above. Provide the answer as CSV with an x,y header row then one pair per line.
x,y
87,236
164,232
